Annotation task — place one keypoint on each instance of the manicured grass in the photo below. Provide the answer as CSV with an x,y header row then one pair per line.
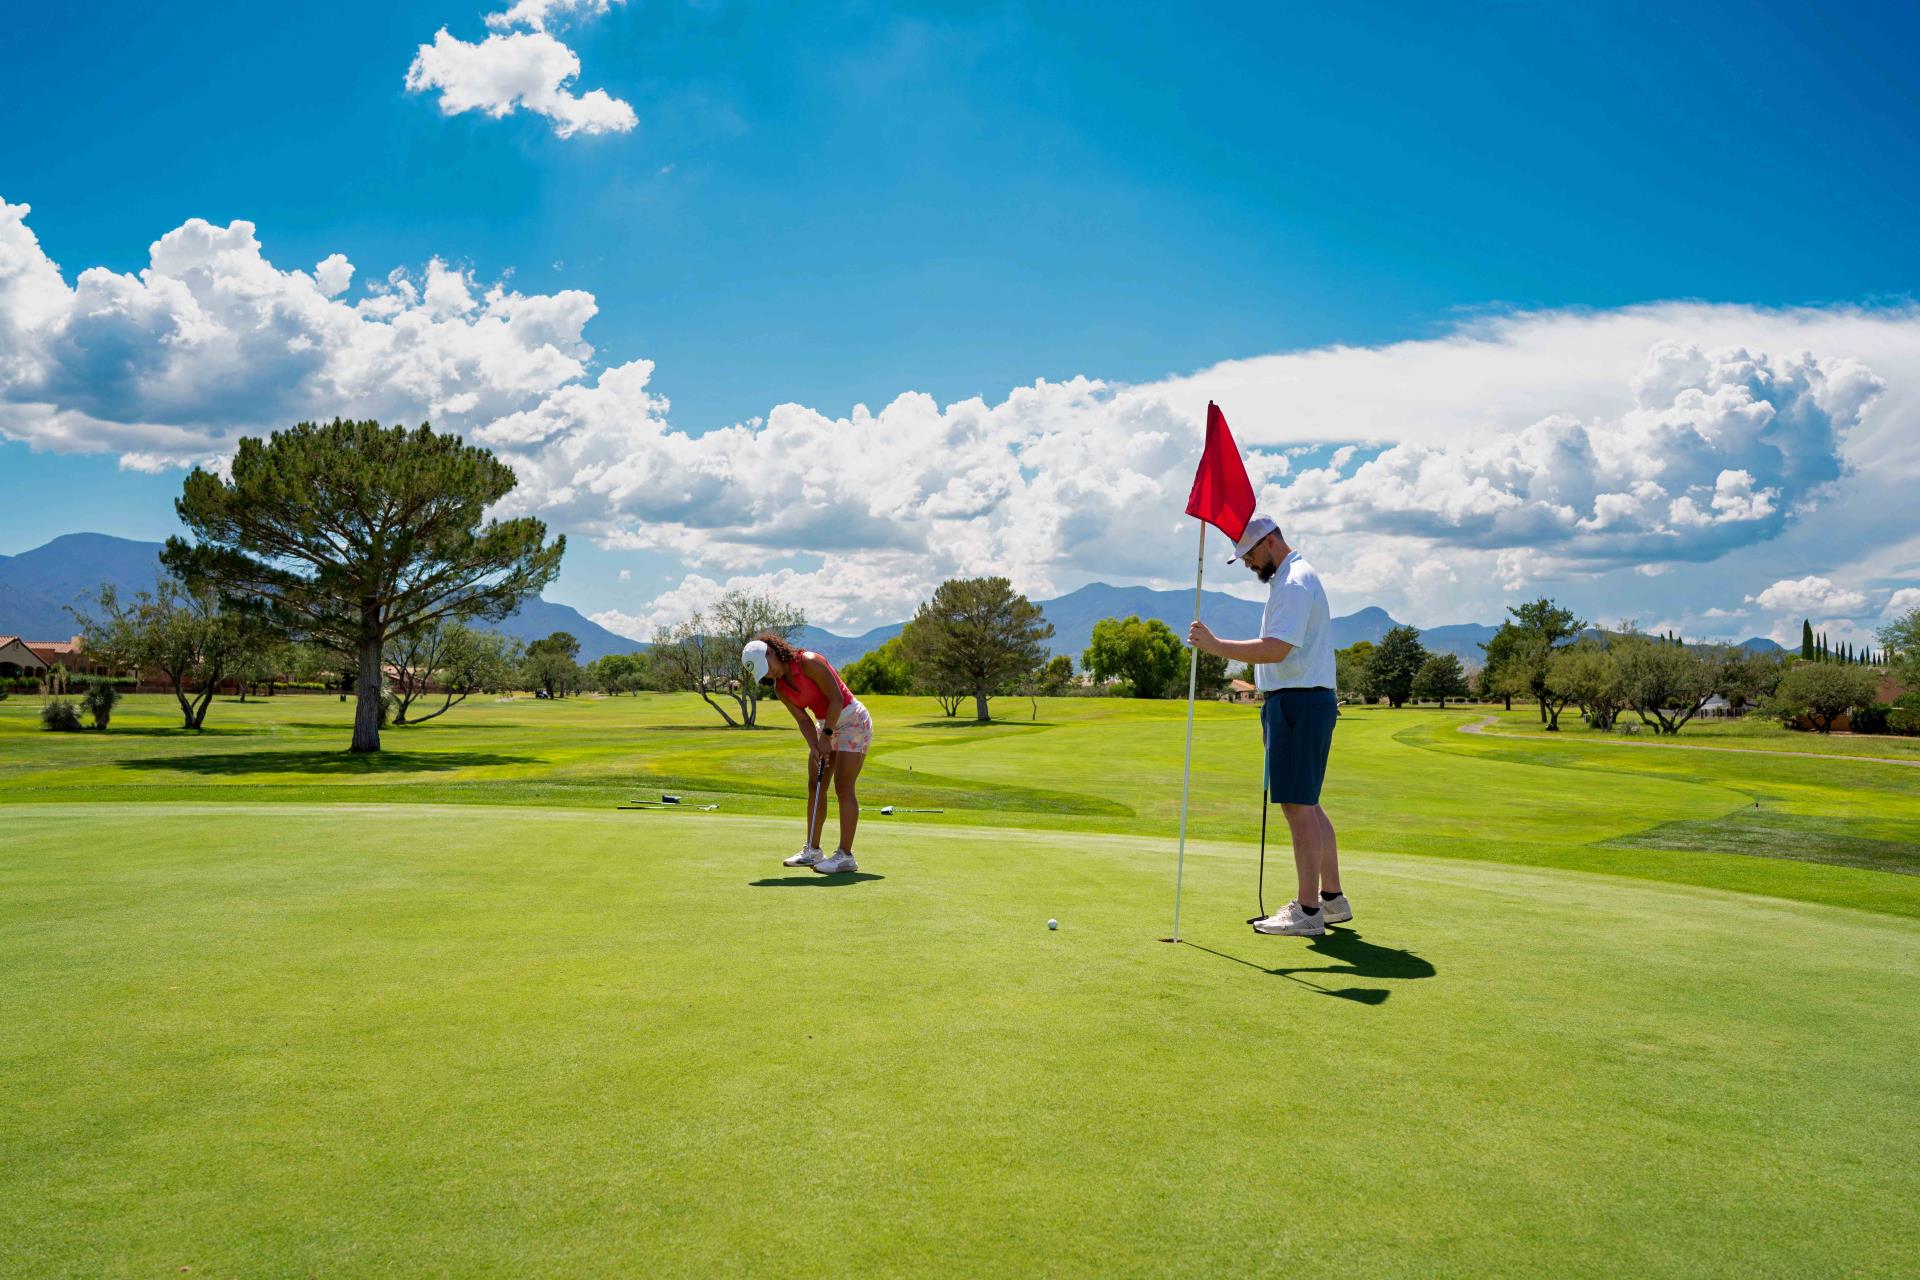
x,y
274,1010
1748,732
379,1040
1404,781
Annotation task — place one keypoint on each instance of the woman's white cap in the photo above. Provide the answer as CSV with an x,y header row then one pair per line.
x,y
754,658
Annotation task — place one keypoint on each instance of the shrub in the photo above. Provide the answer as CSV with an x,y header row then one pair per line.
x,y
1910,700
1904,720
1870,719
98,698
61,716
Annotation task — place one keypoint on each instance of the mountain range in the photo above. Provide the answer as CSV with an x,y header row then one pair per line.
x,y
37,586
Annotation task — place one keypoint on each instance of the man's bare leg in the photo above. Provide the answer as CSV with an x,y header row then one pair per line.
x,y
1329,856
1304,824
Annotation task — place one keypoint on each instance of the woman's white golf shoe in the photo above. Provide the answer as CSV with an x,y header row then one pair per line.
x,y
805,858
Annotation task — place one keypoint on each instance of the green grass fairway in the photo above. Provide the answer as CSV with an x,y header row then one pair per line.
x,y
269,1011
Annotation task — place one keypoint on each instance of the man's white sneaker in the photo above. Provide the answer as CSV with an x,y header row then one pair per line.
x,y
840,861
1290,919
1335,910
805,858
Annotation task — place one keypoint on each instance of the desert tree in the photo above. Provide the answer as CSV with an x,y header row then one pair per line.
x,y
457,660
183,632
1822,692
977,637
1523,647
351,534
1588,675
1665,684
702,654
552,664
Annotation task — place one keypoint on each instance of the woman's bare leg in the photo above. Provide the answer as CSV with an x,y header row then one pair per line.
x,y
846,771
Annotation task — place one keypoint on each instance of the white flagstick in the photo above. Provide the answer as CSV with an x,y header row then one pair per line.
x,y
1186,781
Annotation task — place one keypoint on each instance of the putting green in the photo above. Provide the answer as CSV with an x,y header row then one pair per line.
x,y
394,1039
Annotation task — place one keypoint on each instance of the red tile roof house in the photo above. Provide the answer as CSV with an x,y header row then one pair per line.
x,y
17,660
36,659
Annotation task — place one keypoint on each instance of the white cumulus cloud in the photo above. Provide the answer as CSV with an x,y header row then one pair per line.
x,y
1901,603
1692,453
537,13
631,625
1811,594
511,70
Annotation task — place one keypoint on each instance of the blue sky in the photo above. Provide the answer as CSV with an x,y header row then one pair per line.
x,y
827,206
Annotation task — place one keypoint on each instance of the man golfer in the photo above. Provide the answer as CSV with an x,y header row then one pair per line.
x,y
839,733
1293,670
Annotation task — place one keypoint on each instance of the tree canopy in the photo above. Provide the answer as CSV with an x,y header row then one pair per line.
x,y
1143,652
1395,663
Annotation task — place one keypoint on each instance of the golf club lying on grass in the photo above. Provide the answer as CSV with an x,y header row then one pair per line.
x,y
669,804
890,810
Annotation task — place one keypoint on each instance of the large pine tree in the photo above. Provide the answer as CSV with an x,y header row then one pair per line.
x,y
352,534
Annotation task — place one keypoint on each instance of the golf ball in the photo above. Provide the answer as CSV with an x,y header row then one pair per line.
x,y
1053,924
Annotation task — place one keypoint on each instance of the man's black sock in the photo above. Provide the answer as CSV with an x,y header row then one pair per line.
x,y
1328,893
1312,911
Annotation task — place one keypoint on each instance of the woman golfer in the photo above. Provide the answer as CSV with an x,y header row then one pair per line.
x,y
809,687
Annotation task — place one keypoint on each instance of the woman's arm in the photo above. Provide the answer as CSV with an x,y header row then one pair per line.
x,y
800,717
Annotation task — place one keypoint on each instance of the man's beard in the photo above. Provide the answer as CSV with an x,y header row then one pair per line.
x,y
1265,572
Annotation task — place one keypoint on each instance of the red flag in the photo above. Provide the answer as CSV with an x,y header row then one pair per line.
x,y
1222,495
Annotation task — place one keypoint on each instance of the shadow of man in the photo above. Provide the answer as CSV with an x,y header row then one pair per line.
x,y
1357,958
815,881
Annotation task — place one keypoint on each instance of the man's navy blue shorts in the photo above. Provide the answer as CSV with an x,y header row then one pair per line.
x,y
1298,726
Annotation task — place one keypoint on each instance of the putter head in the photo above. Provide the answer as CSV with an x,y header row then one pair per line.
x,y
669,799
887,809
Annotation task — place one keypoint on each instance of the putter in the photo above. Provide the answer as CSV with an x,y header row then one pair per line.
x,y
1260,885
890,810
1266,781
813,808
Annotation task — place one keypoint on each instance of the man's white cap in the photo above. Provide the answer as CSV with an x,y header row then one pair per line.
x,y
1257,528
754,658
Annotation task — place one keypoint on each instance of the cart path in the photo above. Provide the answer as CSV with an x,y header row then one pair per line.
x,y
1485,723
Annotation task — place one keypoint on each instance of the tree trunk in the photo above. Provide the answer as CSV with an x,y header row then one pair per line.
x,y
980,705
180,695
366,710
